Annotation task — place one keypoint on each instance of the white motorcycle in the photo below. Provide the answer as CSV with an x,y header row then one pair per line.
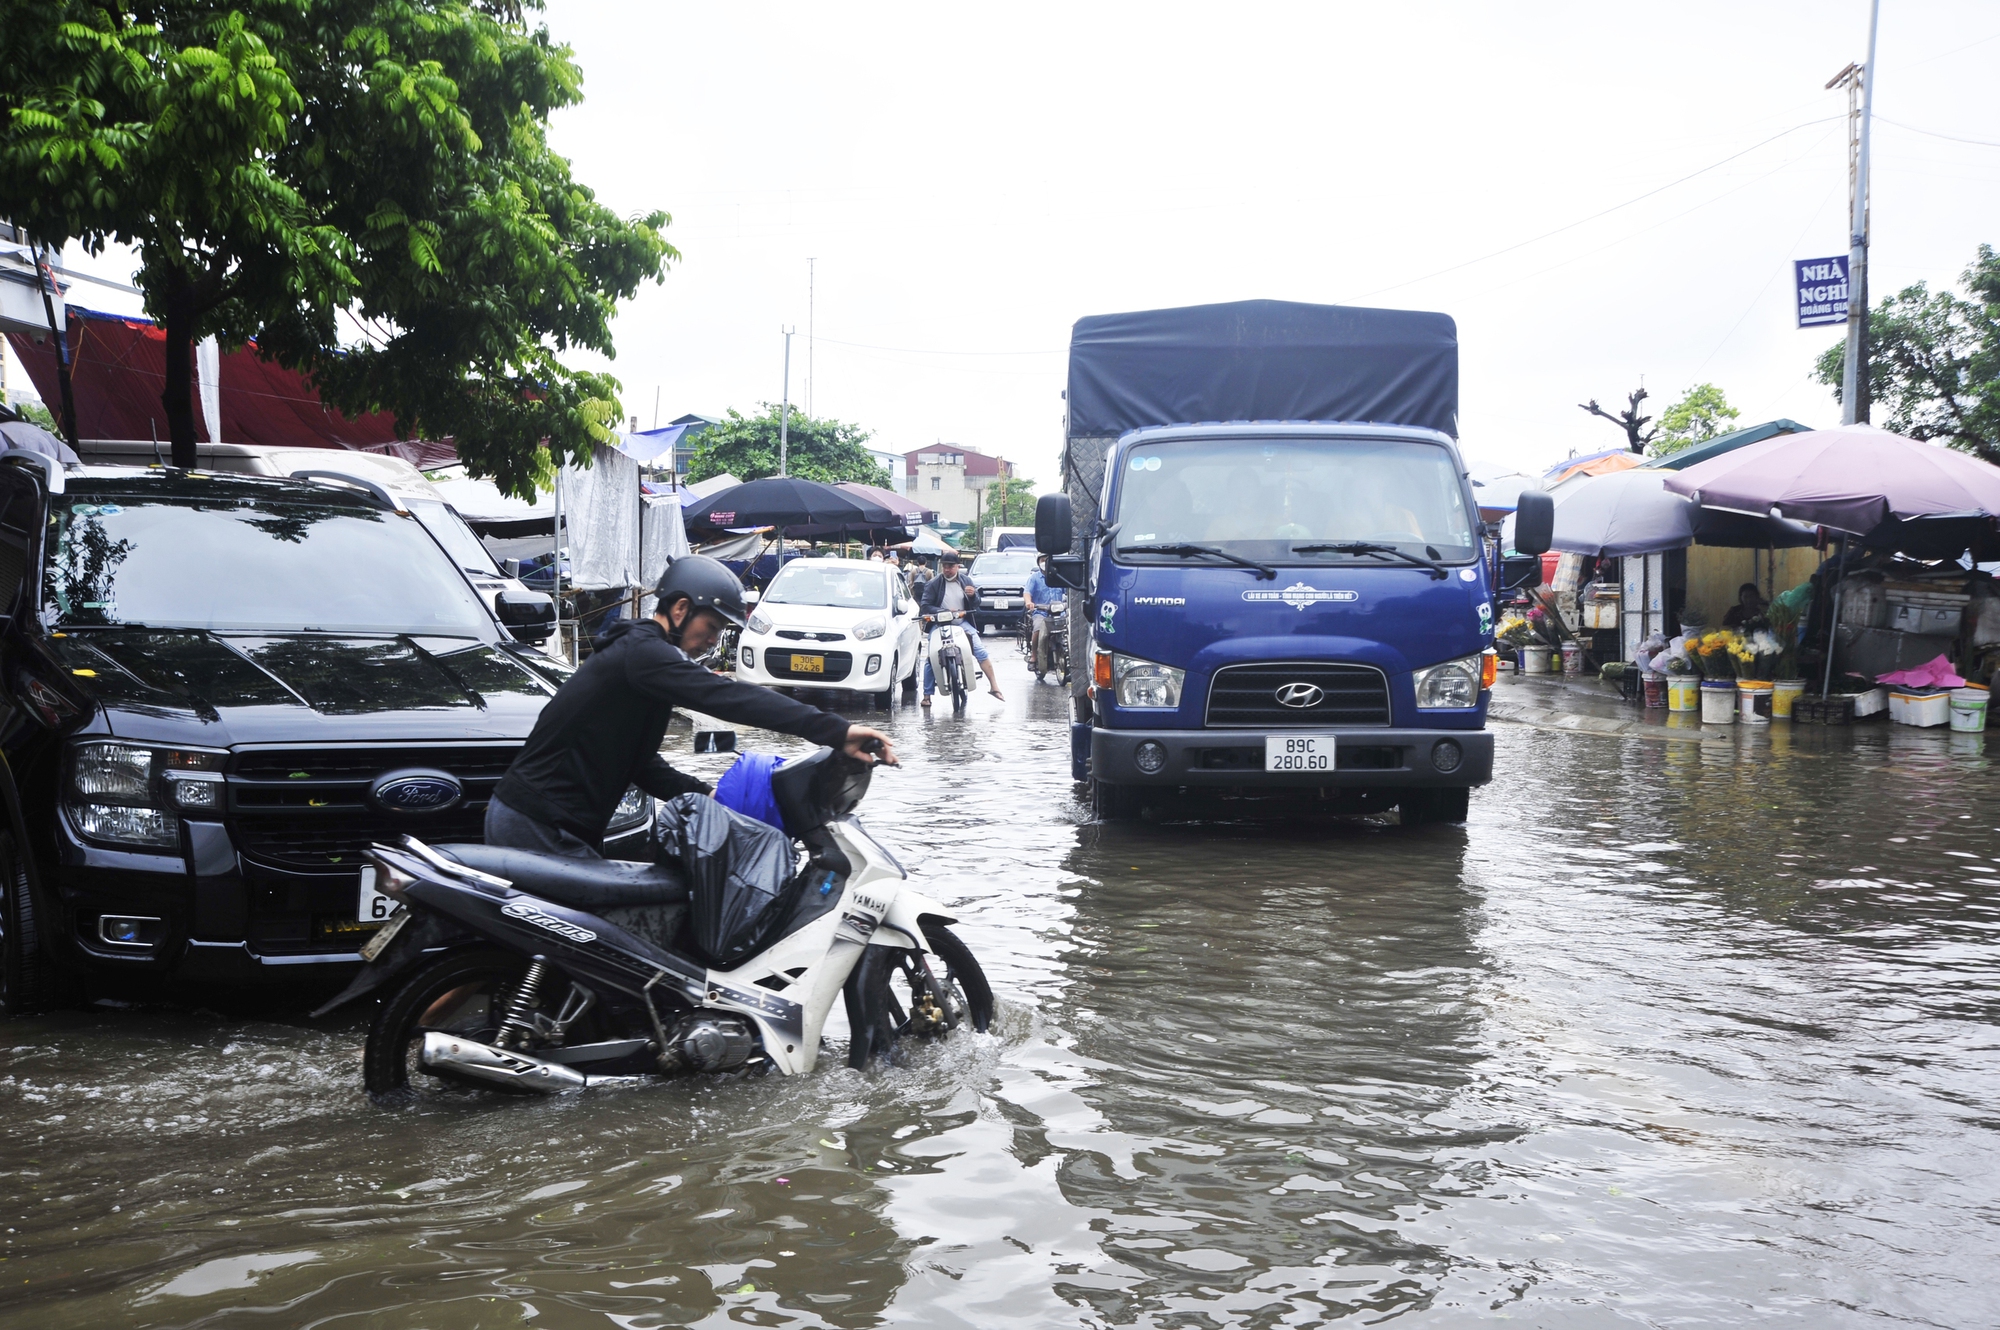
x,y
524,972
949,651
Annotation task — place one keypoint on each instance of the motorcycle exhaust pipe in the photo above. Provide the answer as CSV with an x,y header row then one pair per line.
x,y
497,1066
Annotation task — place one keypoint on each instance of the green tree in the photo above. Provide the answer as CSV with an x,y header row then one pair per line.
x,y
1934,361
1005,503
815,449
1701,414
280,163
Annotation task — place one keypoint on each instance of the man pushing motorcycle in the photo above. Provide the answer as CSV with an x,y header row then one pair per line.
x,y
601,732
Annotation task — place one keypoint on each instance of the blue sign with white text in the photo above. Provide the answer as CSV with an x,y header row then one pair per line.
x,y
1822,286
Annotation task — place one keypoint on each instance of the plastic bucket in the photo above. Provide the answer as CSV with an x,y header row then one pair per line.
x,y
1968,708
1535,660
1683,692
1572,660
1718,702
1656,689
1783,693
1753,701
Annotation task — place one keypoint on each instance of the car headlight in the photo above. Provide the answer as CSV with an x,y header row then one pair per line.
x,y
131,794
634,810
759,622
869,629
1143,683
1452,685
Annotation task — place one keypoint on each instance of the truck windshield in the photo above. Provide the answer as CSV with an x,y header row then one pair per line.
x,y
1263,498
858,588
250,565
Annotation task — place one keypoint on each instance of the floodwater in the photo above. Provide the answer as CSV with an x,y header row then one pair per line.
x,y
1670,1034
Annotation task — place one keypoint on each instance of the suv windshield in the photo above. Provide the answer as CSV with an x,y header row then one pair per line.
x,y
1006,567
1261,498
456,537
247,563
860,588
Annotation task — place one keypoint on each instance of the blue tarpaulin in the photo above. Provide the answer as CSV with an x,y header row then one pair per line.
x,y
1262,360
746,787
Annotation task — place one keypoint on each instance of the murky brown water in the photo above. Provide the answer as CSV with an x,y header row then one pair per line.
x,y
1668,1035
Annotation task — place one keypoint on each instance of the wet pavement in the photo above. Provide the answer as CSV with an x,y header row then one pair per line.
x,y
1669,1034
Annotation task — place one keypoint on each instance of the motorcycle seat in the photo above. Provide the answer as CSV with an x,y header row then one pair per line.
x,y
583,884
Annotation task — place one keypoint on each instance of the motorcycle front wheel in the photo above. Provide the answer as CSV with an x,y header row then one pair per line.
x,y
461,992
896,993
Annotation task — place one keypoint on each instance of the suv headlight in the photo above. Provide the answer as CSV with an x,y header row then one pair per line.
x,y
759,622
1142,683
634,810
1453,685
870,629
129,794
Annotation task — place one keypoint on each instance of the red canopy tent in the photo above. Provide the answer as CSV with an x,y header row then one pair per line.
x,y
119,367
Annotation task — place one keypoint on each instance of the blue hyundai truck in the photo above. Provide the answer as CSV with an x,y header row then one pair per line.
x,y
1285,588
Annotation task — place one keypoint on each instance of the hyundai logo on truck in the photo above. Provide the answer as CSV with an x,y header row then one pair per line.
x,y
1300,695
416,791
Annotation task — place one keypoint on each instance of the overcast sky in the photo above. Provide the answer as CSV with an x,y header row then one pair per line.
x,y
972,182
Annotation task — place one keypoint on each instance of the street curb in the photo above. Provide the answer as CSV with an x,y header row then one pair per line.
x,y
1569,722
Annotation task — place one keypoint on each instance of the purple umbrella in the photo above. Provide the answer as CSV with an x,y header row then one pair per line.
x,y
1853,478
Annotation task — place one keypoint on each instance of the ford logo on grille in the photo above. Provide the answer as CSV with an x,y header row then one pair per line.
x,y
416,792
1300,695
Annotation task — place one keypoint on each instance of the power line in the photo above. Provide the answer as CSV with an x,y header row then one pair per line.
x,y
1932,133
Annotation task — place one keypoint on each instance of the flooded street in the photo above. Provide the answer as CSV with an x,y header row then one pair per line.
x,y
1671,1034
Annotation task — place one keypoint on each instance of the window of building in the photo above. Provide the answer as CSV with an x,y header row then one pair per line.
x,y
937,482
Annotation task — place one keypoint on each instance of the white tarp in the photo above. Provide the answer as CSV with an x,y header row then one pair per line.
x,y
600,508
481,501
665,540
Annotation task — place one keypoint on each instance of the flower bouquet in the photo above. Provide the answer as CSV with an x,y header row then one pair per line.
x,y
1784,621
1711,654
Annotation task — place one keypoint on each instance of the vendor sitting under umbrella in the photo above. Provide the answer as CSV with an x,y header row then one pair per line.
x,y
1749,605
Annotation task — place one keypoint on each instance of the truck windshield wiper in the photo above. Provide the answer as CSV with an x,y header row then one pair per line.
x,y
1263,570
1438,572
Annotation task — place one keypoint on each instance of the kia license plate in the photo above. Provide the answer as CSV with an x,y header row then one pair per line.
x,y
1298,752
808,664
373,907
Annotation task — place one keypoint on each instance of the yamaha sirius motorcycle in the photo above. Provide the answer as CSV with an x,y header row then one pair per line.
x,y
950,654
525,972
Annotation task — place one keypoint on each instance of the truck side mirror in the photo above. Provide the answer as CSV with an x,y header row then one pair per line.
x,y
1052,524
1068,570
1534,522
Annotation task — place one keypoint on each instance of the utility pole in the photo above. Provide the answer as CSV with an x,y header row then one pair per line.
x,y
656,406
785,411
1854,385
809,335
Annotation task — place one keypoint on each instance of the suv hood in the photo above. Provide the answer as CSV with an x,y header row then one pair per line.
x,y
218,689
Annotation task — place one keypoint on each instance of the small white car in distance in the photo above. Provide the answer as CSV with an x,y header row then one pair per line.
x,y
835,624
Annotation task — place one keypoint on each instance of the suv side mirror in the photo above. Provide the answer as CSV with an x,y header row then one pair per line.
x,y
1052,524
529,616
1534,522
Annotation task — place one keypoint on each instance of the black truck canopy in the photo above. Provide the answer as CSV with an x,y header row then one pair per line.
x,y
1262,360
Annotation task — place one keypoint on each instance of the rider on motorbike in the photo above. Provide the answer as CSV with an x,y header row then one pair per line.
x,y
950,591
601,732
1042,602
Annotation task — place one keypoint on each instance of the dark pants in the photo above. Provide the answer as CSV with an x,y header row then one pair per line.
x,y
515,830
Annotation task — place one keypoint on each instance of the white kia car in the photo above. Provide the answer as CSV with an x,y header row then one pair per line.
x,y
833,623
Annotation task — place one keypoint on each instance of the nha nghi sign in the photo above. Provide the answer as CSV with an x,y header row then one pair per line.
x,y
1822,288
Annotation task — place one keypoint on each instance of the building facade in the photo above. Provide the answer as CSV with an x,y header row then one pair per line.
x,y
952,479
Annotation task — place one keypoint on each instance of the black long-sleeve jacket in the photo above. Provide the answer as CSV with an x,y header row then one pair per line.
x,y
601,731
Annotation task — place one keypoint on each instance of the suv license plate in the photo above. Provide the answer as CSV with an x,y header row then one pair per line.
x,y
1294,752
808,664
373,907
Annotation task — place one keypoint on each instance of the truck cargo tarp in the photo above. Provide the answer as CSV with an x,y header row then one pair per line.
x,y
1262,360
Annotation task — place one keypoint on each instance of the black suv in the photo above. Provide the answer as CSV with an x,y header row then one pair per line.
x,y
1000,576
215,691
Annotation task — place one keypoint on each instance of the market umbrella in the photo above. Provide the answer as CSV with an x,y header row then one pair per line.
x,y
1855,478
787,501
1592,464
1632,512
913,513
35,439
929,543
1497,488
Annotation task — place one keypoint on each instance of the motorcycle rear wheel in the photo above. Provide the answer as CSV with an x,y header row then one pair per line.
x,y
463,992
897,994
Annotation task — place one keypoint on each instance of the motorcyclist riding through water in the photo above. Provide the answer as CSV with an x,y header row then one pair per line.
x,y
601,732
1042,601
951,592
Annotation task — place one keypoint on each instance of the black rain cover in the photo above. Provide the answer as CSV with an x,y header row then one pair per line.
x,y
1262,360
737,869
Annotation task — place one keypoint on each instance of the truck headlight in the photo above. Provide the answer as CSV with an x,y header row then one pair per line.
x,y
634,810
870,629
130,794
1453,685
1143,683
759,622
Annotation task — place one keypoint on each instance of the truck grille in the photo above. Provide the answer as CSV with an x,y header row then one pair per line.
x,y
778,664
1247,695
299,808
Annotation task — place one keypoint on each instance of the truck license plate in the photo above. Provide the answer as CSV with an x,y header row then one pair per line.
x,y
1298,752
808,664
373,907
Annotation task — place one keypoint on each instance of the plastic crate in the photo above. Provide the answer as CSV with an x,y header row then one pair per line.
x,y
1835,710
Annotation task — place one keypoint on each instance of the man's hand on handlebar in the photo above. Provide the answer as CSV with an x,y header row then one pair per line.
x,y
866,745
